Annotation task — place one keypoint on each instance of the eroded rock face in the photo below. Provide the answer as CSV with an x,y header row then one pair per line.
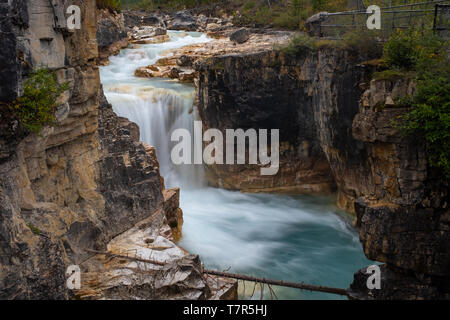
x,y
129,179
174,274
404,216
47,179
78,183
110,28
111,34
264,90
9,61
69,191
399,284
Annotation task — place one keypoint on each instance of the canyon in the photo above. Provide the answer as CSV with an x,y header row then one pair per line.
x,y
87,182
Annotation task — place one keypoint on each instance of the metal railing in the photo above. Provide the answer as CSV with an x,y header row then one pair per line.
x,y
441,23
432,15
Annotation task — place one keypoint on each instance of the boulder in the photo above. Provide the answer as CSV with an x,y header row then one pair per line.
x,y
184,61
147,31
240,36
174,73
147,72
132,19
108,32
313,24
152,20
154,39
183,20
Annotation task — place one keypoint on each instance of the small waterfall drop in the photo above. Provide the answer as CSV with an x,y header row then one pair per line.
x,y
303,238
157,105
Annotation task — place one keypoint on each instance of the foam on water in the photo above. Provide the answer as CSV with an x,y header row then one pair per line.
x,y
302,238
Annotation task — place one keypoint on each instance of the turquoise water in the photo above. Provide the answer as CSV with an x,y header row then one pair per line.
x,y
292,238
301,239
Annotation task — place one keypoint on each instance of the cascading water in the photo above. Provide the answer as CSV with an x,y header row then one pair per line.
x,y
303,238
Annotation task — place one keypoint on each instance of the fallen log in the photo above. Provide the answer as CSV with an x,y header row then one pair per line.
x,y
297,285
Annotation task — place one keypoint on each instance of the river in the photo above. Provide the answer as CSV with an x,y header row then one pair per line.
x,y
294,238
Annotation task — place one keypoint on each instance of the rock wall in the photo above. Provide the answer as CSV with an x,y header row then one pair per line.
x,y
47,179
332,116
111,34
263,91
80,182
403,215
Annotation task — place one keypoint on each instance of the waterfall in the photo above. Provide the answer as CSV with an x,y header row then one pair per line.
x,y
302,238
157,106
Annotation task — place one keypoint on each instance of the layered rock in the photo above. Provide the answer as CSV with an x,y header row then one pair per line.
x,y
111,34
403,215
70,189
148,35
47,179
265,90
178,63
140,18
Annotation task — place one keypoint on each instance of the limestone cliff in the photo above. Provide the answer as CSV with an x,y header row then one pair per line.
x,y
403,213
337,127
264,90
66,191
47,181
111,34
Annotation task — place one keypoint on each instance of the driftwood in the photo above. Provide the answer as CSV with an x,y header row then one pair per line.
x,y
297,285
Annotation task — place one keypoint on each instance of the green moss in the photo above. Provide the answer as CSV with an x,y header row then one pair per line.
x,y
34,229
393,75
300,44
363,42
37,106
218,65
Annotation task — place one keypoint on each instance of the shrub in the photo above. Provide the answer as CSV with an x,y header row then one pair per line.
x,y
364,42
263,15
249,5
430,119
298,45
412,50
399,51
286,20
34,229
37,106
426,55
393,75
112,5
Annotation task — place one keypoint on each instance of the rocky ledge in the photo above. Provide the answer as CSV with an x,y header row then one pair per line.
x,y
179,63
181,20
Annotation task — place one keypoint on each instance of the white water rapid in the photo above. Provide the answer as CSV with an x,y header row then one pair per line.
x,y
303,238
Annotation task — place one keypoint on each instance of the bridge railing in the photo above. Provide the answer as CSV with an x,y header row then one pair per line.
x,y
420,15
